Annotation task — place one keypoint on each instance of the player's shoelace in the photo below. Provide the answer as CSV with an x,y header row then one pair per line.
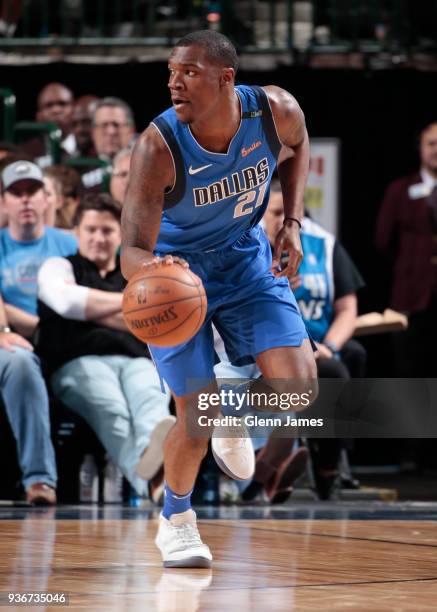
x,y
235,443
188,535
232,433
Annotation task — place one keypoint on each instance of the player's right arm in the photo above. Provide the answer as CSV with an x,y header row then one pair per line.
x,y
151,173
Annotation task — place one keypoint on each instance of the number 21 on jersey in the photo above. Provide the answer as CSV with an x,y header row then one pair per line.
x,y
244,202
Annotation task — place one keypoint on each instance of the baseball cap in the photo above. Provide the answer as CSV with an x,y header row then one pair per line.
x,y
20,170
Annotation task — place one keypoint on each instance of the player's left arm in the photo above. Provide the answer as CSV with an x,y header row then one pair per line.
x,y
293,166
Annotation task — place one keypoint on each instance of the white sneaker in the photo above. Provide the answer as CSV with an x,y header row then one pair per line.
x,y
179,541
153,457
234,454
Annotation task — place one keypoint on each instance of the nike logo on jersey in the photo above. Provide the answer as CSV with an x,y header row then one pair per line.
x,y
192,170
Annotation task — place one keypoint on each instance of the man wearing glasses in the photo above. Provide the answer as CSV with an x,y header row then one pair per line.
x,y
113,129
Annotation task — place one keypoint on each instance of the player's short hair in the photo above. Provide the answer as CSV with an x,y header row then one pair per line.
x,y
114,102
219,48
100,202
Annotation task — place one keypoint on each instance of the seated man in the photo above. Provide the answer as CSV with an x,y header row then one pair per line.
x,y
96,367
277,465
81,125
54,105
25,397
113,129
326,291
24,245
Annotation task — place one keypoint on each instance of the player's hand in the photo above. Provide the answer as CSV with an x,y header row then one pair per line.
x,y
288,239
9,341
167,260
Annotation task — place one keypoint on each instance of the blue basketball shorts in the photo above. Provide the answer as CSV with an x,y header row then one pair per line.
x,y
252,310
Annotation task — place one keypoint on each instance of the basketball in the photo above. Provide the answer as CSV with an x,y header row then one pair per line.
x,y
165,305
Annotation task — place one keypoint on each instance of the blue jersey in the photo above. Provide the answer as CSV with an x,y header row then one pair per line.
x,y
315,295
217,197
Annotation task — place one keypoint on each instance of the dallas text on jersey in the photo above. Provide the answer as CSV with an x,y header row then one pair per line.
x,y
239,182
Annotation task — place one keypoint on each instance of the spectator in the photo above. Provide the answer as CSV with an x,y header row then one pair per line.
x,y
96,367
25,397
11,155
325,289
277,464
120,175
113,130
113,127
81,124
26,243
62,186
406,232
54,105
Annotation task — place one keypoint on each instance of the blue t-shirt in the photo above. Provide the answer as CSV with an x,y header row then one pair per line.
x,y
327,273
315,295
20,262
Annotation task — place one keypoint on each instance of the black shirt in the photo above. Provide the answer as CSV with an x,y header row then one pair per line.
x,y
60,340
347,278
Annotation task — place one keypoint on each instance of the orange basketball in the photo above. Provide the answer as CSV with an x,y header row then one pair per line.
x,y
165,305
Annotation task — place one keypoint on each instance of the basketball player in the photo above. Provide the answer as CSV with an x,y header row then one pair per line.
x,y
199,186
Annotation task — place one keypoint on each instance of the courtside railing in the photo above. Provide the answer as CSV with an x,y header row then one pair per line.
x,y
254,25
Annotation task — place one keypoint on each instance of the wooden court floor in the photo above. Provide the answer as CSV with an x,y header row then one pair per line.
x,y
289,560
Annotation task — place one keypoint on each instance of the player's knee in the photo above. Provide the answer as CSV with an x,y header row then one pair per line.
x,y
292,394
299,394
308,395
302,387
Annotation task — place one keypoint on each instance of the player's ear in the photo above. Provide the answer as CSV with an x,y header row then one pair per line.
x,y
227,76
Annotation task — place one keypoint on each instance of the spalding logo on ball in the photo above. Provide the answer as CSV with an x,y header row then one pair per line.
x,y
164,305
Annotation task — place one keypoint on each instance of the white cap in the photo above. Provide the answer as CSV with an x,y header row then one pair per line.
x,y
19,171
